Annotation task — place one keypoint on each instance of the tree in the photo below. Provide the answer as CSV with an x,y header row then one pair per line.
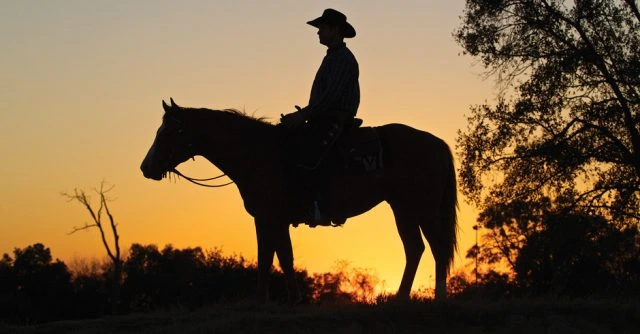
x,y
164,278
565,127
97,216
142,270
508,227
577,255
345,285
38,288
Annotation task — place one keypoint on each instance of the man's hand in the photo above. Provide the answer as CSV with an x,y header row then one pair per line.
x,y
295,119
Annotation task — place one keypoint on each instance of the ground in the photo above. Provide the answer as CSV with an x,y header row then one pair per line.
x,y
519,317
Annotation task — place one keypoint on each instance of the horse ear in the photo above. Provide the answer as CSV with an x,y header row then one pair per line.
x,y
165,106
173,104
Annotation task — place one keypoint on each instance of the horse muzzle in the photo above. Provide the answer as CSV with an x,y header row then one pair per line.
x,y
153,176
151,173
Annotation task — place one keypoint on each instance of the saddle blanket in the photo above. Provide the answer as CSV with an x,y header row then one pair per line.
x,y
362,150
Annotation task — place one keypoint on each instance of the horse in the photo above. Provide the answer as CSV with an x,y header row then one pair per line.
x,y
418,181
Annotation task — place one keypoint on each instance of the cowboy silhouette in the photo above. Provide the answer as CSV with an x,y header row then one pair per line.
x,y
334,98
335,94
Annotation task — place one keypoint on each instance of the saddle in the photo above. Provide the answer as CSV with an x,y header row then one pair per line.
x,y
356,151
360,149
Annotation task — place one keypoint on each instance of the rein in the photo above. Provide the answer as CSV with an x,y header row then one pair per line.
x,y
198,181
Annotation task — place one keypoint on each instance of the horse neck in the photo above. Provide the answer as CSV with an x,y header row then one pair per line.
x,y
234,143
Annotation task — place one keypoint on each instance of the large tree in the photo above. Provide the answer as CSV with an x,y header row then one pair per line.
x,y
565,125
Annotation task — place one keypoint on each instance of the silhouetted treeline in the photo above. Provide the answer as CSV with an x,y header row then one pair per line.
x,y
190,278
35,288
568,256
565,255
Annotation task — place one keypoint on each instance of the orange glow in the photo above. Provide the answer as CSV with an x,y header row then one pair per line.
x,y
80,103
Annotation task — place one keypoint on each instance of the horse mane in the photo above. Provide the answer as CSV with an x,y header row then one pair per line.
x,y
228,113
243,114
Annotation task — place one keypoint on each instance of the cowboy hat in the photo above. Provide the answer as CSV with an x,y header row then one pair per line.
x,y
333,17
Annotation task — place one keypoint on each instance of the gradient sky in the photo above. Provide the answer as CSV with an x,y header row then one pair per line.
x,y
81,84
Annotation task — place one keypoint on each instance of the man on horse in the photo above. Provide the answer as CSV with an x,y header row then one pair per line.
x,y
334,100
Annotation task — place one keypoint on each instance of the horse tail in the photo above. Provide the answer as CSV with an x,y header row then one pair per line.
x,y
448,210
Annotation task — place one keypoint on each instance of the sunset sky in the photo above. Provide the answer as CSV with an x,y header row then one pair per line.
x,y
81,84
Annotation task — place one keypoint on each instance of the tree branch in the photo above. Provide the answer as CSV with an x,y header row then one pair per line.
x,y
96,216
634,8
114,230
600,63
614,140
85,227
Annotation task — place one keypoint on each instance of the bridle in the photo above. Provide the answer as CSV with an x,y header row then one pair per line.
x,y
197,181
191,179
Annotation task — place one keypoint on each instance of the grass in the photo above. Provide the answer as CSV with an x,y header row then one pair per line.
x,y
519,317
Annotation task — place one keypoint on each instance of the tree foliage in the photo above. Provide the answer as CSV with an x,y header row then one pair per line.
x,y
33,285
579,255
554,164
555,254
34,288
345,285
566,122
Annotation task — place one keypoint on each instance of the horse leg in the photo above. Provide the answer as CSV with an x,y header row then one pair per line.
x,y
413,248
266,249
284,251
434,235
441,279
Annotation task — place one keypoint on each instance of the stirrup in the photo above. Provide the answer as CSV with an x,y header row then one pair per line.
x,y
338,221
317,218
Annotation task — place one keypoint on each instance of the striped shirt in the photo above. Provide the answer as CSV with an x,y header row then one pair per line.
x,y
336,92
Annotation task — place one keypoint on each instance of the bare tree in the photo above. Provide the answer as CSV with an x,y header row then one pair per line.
x,y
97,216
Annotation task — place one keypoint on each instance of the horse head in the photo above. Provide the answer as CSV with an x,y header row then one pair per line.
x,y
172,145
